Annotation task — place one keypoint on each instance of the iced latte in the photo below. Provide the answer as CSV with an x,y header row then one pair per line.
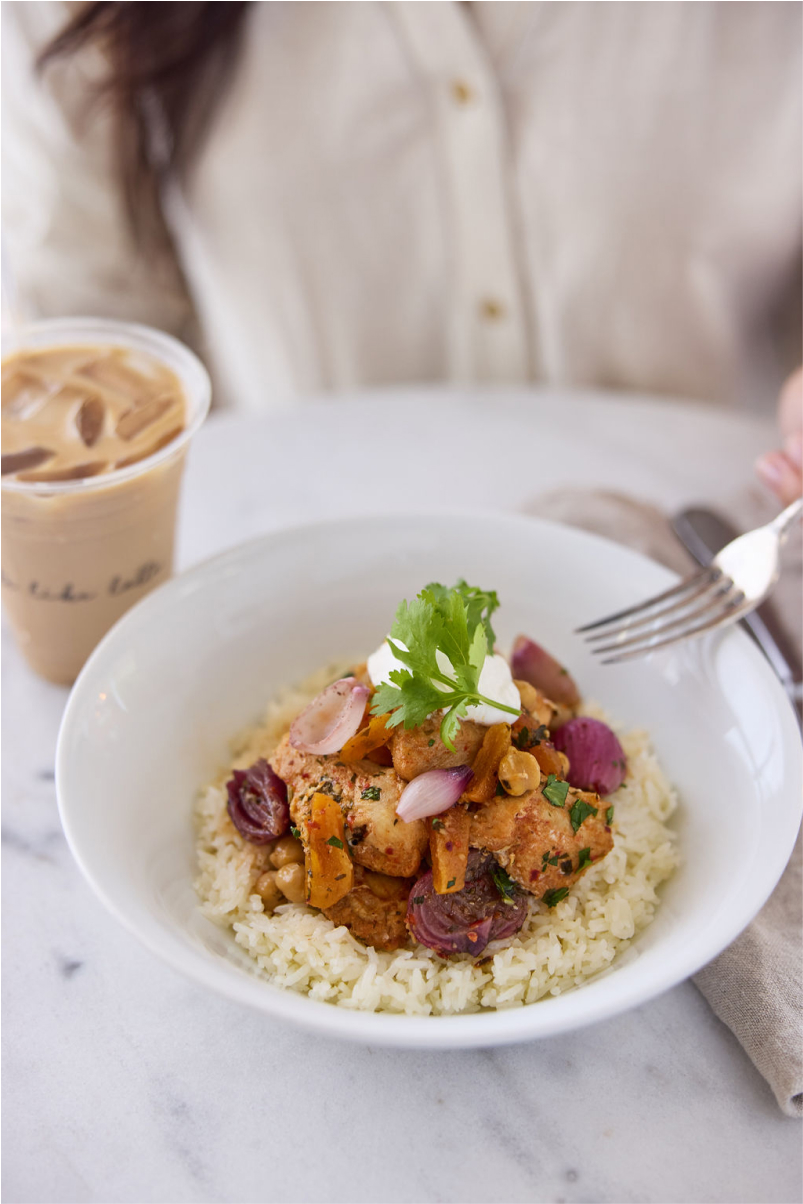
x,y
95,423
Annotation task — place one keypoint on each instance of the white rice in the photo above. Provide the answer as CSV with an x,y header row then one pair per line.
x,y
556,950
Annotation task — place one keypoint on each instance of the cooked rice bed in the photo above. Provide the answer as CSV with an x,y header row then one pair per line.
x,y
556,950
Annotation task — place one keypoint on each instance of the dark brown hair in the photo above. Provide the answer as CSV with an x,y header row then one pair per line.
x,y
167,64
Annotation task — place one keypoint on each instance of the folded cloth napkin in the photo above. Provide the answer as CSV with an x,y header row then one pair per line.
x,y
756,985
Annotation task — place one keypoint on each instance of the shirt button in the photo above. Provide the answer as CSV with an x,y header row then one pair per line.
x,y
491,309
462,93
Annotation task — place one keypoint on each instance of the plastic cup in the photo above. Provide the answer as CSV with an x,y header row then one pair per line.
x,y
77,554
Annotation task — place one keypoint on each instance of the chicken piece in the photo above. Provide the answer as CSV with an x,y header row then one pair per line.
x,y
377,838
422,749
536,841
374,910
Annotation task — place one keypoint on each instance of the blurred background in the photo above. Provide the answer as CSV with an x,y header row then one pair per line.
x,y
338,195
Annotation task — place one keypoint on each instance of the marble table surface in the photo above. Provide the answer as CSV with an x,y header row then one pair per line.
x,y
123,1082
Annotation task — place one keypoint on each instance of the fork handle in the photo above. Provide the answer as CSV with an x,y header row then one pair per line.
x,y
783,522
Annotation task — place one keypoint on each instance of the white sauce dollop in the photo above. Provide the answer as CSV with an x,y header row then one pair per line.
x,y
495,682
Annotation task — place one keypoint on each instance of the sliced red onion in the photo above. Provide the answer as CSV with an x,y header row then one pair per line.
x,y
596,758
432,792
330,719
257,803
532,663
465,921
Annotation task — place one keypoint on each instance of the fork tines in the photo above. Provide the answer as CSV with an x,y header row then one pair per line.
x,y
704,600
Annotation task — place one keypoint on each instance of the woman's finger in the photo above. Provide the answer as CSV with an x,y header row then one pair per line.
x,y
790,405
778,471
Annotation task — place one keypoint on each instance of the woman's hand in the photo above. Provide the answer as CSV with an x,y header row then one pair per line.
x,y
780,470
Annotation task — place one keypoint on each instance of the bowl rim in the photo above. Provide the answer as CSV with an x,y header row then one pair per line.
x,y
468,1030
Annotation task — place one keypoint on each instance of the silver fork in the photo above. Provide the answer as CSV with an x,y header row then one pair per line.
x,y
737,580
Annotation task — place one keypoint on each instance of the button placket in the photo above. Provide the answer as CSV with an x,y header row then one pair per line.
x,y
488,337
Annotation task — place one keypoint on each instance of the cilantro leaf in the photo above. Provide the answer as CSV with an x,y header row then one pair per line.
x,y
553,897
335,842
555,792
609,816
480,604
504,883
583,858
442,638
580,811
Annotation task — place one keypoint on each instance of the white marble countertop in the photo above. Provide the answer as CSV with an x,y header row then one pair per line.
x,y
123,1082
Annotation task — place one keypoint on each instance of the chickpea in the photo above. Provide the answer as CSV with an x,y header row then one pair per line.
x,y
268,890
292,882
287,851
519,772
536,704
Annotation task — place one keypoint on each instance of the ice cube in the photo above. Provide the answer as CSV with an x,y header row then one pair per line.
x,y
19,461
89,420
138,418
75,472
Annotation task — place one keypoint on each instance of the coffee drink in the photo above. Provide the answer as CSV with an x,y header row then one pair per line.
x,y
94,436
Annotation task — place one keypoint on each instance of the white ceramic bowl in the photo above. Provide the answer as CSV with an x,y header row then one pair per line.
x,y
150,717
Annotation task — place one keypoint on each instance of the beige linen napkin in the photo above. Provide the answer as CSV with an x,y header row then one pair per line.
x,y
756,985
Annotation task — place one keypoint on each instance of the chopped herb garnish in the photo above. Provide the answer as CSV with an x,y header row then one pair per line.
x,y
552,860
540,733
450,883
296,832
430,743
553,897
555,792
580,811
500,790
523,738
335,842
373,793
504,883
609,816
438,823
583,858
566,867
456,623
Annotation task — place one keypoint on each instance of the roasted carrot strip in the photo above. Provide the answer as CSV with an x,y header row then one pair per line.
x,y
330,874
381,756
495,744
550,760
534,739
369,738
448,848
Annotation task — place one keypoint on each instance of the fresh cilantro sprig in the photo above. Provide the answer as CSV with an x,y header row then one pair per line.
x,y
457,623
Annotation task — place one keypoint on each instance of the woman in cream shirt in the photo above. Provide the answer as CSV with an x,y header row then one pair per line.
x,y
573,193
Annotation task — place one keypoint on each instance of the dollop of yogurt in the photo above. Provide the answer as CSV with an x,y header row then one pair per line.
x,y
496,682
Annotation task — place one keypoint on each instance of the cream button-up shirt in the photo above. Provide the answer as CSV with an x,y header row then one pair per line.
x,y
583,194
